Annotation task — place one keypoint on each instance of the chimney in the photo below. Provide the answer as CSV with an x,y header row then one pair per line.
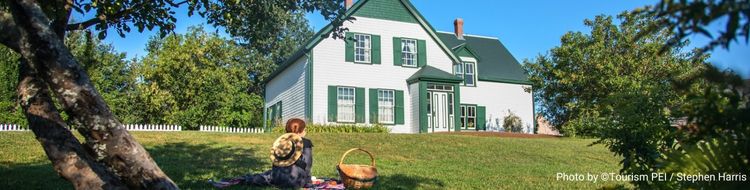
x,y
459,28
348,4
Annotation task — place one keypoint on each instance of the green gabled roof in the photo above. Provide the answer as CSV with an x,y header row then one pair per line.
x,y
429,73
379,5
496,63
463,50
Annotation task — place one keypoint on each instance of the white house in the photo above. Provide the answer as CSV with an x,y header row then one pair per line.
x,y
394,69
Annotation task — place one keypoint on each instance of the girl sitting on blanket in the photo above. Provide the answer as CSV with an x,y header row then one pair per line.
x,y
291,155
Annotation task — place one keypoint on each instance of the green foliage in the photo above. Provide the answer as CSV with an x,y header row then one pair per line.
x,y
512,123
196,79
10,111
694,17
615,85
317,128
714,138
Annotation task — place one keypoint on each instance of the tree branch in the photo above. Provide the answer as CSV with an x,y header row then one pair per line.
x,y
105,18
68,157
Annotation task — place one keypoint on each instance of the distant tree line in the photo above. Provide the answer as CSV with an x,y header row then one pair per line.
x,y
191,79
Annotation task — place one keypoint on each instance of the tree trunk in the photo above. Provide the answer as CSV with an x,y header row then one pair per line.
x,y
62,148
104,134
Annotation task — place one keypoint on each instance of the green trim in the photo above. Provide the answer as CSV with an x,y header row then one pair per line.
x,y
398,117
432,74
423,107
332,103
309,88
510,81
386,10
374,105
397,60
421,53
457,107
349,46
533,106
359,105
375,49
464,50
481,118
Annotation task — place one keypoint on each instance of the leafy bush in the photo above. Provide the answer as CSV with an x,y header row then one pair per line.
x,y
512,123
316,128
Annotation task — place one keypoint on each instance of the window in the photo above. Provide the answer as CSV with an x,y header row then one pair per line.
x,y
409,52
345,99
458,69
362,48
386,106
468,116
469,74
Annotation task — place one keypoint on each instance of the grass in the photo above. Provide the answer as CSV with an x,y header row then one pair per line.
x,y
404,161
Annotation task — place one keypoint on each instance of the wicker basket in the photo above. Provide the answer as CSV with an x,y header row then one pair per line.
x,y
357,176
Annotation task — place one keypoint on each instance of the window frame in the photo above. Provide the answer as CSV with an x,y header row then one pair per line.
x,y
414,52
473,73
382,107
465,116
366,48
343,97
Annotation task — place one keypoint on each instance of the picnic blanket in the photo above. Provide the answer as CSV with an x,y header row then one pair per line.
x,y
318,183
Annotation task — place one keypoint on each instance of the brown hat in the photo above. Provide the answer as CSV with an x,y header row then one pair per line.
x,y
286,150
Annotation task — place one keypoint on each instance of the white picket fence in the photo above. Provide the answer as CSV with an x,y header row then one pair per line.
x,y
155,127
151,127
12,127
129,127
206,128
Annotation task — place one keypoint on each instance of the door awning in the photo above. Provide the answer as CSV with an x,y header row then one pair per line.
x,y
432,74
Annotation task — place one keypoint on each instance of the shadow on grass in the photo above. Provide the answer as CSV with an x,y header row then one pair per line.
x,y
191,165
401,181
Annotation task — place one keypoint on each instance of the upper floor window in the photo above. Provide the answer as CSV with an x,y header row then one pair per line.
x,y
345,100
362,48
409,52
466,71
469,75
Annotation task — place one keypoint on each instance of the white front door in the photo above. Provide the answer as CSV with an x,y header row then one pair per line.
x,y
439,120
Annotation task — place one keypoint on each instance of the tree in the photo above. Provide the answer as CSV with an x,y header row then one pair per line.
x,y
111,157
197,78
616,86
9,109
692,17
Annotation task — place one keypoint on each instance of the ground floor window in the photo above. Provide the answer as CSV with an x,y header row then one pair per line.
x,y
386,104
468,116
345,99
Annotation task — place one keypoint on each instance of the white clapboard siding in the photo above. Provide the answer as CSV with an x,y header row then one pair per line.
x,y
289,89
208,128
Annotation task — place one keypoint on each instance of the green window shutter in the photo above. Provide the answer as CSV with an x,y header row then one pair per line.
x,y
278,116
397,51
373,106
359,105
349,39
332,103
375,49
399,115
481,118
421,53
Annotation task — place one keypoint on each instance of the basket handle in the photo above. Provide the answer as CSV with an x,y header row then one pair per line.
x,y
372,159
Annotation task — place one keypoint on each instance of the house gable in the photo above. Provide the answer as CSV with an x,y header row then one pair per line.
x,y
387,10
464,50
369,8
494,62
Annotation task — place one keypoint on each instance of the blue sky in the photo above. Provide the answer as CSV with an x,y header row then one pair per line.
x,y
526,28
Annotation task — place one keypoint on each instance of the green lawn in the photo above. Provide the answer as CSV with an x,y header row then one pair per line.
x,y
435,161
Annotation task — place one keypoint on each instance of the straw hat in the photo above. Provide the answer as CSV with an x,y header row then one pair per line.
x,y
286,150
